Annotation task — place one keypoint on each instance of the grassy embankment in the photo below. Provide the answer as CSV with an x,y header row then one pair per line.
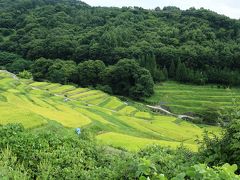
x,y
181,98
36,104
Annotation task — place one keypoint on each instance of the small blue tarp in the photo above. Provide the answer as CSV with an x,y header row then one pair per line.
x,y
78,131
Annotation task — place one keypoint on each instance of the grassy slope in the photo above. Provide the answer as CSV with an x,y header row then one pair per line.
x,y
36,104
191,98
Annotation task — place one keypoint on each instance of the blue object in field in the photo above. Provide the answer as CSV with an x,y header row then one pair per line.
x,y
78,131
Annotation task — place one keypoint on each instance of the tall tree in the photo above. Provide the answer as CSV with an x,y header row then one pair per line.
x,y
40,68
129,79
165,72
172,70
149,62
89,72
63,72
181,72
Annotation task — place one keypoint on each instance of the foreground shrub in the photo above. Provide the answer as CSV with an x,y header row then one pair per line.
x,y
63,155
48,155
203,172
167,161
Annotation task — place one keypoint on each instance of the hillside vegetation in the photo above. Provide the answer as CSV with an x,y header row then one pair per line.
x,y
147,143
115,123
201,44
75,81
73,30
55,153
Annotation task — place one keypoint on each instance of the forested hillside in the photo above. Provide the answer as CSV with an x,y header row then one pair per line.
x,y
194,45
73,30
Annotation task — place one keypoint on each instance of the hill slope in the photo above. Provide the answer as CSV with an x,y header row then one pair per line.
x,y
69,29
182,98
34,104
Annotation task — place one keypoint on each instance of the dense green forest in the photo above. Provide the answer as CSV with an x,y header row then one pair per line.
x,y
195,45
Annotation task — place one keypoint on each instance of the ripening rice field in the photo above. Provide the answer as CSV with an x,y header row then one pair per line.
x,y
115,123
182,98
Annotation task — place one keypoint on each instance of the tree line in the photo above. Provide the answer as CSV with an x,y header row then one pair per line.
x,y
126,77
134,78
179,71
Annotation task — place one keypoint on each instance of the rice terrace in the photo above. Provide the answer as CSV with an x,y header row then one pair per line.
x,y
182,98
34,104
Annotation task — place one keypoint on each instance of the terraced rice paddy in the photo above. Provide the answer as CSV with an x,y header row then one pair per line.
x,y
115,123
182,98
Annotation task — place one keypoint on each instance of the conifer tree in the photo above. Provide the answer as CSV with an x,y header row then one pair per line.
x,y
181,72
149,62
178,71
172,70
159,75
141,61
165,72
162,76
190,75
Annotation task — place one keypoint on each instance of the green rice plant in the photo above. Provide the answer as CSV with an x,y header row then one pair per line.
x,y
144,115
136,143
62,89
114,103
127,110
182,98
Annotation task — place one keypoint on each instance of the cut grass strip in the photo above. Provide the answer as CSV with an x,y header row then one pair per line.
x,y
103,103
77,91
62,89
92,115
97,101
39,84
144,115
93,97
128,110
120,107
114,103
51,86
83,95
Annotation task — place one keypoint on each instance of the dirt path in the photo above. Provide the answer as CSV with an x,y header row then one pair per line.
x,y
159,108
11,74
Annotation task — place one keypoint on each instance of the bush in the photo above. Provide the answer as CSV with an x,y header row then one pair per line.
x,y
167,161
210,115
217,151
50,154
25,75
203,172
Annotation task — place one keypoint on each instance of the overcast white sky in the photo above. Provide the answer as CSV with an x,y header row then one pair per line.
x,y
229,8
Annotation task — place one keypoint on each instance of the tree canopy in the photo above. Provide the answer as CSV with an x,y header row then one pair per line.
x,y
207,44
129,79
73,30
